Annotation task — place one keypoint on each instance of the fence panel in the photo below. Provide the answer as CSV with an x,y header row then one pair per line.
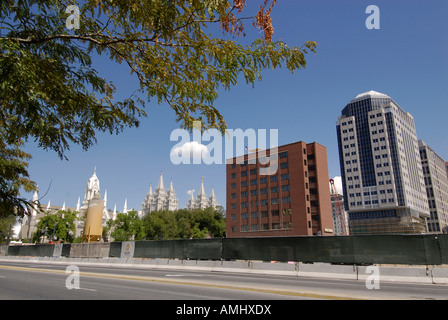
x,y
41,250
395,249
368,249
89,250
115,249
443,247
202,249
304,249
159,249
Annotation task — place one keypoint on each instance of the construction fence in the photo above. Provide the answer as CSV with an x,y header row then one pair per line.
x,y
369,249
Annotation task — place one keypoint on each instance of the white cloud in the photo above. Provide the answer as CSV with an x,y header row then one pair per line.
x,y
190,150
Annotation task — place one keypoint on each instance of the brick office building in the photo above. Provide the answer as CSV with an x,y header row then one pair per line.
x,y
294,201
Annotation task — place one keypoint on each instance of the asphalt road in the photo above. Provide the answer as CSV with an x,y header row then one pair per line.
x,y
23,281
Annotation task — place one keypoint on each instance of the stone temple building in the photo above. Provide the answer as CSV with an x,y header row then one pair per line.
x,y
161,199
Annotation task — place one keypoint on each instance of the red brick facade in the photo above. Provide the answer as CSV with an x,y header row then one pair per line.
x,y
295,201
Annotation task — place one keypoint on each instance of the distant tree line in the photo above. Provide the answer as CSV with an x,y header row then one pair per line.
x,y
158,225
164,225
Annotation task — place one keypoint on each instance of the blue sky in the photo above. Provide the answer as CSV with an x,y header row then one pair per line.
x,y
407,59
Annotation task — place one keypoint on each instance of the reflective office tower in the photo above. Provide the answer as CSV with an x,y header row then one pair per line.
x,y
436,181
382,177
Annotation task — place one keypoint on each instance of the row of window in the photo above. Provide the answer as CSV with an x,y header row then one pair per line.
x,y
372,193
369,202
263,202
262,191
262,214
263,180
263,226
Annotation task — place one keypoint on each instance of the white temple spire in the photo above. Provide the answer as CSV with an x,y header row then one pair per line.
x,y
160,186
125,208
114,214
202,191
35,201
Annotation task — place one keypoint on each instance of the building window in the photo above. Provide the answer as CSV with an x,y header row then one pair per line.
x,y
284,165
287,225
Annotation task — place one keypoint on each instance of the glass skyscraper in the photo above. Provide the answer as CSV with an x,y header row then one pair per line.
x,y
382,177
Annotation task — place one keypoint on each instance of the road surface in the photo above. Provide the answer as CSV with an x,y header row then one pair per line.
x,y
30,280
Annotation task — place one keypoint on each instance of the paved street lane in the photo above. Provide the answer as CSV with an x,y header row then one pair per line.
x,y
49,281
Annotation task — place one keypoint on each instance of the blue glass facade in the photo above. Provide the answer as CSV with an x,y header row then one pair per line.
x,y
360,109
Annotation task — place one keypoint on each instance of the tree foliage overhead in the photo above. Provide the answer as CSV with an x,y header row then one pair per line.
x,y
51,91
